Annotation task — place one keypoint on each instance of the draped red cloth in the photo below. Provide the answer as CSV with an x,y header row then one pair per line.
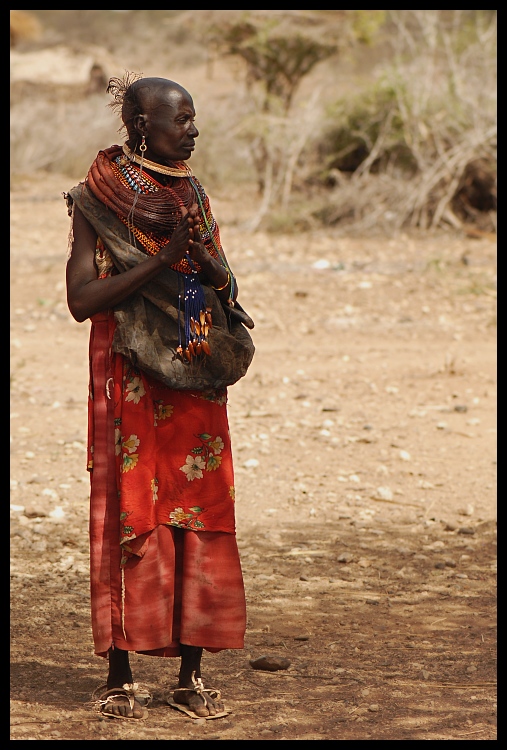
x,y
168,572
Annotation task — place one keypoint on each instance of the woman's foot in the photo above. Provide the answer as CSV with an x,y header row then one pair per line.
x,y
191,691
121,703
203,702
117,700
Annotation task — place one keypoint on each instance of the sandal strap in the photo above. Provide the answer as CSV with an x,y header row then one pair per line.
x,y
198,687
109,697
129,691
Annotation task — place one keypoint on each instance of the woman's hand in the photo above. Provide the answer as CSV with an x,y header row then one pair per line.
x,y
179,244
217,274
87,295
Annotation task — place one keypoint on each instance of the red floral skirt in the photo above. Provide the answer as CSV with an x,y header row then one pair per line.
x,y
164,559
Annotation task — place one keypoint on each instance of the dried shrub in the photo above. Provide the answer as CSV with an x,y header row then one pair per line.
x,y
419,147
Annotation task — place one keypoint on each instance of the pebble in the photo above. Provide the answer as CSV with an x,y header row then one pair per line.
x,y
321,263
383,493
270,663
34,511
251,463
345,557
450,526
466,530
435,545
57,513
374,707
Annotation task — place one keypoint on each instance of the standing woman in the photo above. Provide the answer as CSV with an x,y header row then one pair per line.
x,y
167,338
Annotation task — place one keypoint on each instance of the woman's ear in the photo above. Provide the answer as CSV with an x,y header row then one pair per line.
x,y
139,123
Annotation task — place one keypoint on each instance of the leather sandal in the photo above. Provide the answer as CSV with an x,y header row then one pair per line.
x,y
205,693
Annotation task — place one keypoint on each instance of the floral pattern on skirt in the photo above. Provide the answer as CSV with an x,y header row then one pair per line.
x,y
173,457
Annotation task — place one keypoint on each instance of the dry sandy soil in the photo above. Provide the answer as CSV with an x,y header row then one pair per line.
x,y
365,452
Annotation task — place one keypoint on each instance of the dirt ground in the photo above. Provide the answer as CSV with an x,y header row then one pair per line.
x,y
364,437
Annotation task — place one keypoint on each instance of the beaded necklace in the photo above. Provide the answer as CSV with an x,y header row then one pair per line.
x,y
197,321
180,169
129,176
133,179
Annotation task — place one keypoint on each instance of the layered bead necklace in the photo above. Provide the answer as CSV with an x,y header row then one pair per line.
x,y
193,335
180,170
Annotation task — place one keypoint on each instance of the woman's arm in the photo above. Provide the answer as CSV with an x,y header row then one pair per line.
x,y
87,294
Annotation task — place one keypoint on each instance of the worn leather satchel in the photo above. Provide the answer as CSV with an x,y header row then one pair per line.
x,y
148,323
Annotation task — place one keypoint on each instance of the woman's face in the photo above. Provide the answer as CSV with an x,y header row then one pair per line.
x,y
169,126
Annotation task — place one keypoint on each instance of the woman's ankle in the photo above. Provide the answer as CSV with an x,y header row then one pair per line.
x,y
190,665
119,668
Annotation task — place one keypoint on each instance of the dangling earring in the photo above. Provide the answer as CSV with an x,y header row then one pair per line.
x,y
130,217
142,149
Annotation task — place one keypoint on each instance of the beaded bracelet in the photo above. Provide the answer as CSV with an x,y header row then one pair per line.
x,y
219,288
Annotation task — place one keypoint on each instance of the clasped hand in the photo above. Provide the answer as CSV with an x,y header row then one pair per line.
x,y
186,239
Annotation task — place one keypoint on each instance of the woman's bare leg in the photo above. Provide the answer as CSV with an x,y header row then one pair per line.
x,y
119,674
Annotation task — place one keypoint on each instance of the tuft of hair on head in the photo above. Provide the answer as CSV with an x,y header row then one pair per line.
x,y
124,102
118,87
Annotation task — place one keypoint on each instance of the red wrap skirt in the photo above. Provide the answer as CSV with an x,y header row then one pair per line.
x,y
164,563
